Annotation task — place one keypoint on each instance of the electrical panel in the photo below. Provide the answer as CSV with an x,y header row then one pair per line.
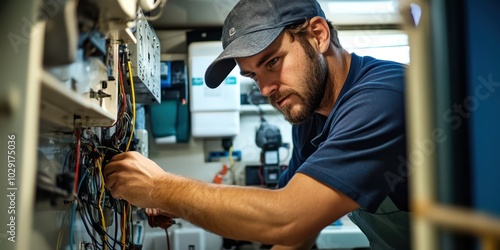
x,y
145,57
94,63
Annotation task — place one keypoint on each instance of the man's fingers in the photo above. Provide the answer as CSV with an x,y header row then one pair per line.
x,y
109,169
114,167
119,157
110,185
152,211
110,174
114,192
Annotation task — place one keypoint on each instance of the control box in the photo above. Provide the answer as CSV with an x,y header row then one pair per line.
x,y
145,56
214,112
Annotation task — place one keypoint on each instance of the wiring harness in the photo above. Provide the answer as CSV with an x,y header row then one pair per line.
x,y
106,220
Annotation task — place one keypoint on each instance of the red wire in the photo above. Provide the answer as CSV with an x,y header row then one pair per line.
x,y
77,162
122,90
124,97
124,101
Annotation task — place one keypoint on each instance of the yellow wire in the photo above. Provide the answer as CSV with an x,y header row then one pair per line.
x,y
131,76
124,226
100,204
133,103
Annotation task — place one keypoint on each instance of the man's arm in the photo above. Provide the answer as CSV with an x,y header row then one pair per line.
x,y
286,216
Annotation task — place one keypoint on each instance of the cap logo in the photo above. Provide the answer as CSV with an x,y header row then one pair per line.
x,y
232,31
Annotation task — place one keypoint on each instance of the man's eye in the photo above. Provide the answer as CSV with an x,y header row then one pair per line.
x,y
249,75
272,62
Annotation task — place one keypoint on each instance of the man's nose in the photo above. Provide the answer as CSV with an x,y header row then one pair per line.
x,y
267,86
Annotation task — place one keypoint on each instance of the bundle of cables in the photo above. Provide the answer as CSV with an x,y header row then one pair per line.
x,y
95,205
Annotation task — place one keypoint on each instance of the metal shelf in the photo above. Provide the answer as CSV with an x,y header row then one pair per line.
x,y
59,106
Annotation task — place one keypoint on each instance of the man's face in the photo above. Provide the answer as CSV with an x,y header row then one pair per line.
x,y
291,74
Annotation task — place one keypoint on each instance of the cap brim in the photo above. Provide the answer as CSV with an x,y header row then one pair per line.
x,y
243,46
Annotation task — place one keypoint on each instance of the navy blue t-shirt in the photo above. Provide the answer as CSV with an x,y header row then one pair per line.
x,y
360,148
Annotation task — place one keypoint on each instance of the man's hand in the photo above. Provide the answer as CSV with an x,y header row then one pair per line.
x,y
133,177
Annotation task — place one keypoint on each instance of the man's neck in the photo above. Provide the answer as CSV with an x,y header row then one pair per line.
x,y
339,63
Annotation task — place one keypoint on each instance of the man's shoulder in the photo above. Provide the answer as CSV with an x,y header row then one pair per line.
x,y
372,62
370,73
372,70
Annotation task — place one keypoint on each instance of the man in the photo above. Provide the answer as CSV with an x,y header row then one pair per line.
x,y
348,137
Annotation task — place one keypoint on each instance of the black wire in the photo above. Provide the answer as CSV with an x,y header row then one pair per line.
x,y
84,215
131,230
116,228
90,205
96,225
91,151
92,223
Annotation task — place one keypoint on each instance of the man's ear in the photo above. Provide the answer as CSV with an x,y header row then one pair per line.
x,y
321,32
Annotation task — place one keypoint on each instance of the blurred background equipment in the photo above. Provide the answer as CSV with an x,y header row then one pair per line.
x,y
268,138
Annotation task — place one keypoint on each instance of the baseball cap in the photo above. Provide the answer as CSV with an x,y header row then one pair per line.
x,y
251,26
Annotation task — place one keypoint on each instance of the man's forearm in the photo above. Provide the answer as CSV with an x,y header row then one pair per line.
x,y
235,212
286,216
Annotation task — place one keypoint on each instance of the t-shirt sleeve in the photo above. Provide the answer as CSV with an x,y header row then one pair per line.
x,y
363,147
294,163
302,149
